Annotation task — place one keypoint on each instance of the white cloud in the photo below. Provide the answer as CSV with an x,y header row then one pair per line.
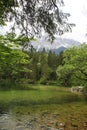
x,y
76,9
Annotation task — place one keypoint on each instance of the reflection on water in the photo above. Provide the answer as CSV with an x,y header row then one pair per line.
x,y
45,117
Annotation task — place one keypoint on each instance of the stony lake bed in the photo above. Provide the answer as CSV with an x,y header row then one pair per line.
x,y
70,115
48,117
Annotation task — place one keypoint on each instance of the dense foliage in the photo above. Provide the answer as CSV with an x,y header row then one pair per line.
x,y
19,65
12,60
74,69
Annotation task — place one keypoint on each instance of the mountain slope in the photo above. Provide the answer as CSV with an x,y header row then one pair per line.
x,y
58,42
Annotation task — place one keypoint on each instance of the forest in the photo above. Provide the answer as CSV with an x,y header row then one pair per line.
x,y
28,66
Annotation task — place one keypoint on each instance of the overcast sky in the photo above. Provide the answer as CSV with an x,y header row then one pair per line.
x,y
78,11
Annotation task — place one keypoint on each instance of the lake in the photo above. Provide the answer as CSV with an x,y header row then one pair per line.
x,y
42,109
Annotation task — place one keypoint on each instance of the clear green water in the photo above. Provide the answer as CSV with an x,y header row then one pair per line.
x,y
42,109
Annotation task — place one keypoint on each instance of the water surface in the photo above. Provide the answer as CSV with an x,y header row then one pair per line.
x,y
45,117
42,110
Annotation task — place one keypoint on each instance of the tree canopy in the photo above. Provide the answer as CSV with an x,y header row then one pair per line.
x,y
34,16
74,68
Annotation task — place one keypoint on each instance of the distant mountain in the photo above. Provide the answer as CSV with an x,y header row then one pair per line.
x,y
58,43
58,50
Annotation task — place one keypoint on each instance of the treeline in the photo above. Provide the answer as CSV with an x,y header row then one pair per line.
x,y
18,65
43,66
